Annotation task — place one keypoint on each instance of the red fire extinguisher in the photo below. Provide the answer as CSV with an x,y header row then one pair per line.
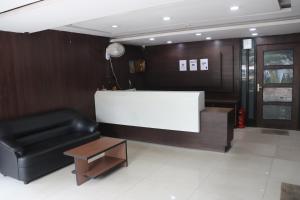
x,y
242,118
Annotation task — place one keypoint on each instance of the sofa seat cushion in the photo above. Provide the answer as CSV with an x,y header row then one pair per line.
x,y
38,153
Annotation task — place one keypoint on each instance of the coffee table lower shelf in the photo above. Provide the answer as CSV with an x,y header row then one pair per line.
x,y
102,165
114,154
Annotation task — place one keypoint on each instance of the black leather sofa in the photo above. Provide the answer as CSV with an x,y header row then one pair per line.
x,y
33,146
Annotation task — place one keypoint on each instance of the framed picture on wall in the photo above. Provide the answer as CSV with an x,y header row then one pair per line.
x,y
193,65
182,65
204,64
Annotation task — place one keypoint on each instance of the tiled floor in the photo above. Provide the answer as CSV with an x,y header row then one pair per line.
x,y
252,170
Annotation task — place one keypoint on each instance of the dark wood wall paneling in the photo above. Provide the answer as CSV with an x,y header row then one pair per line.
x,y
222,77
53,69
49,70
8,95
293,39
279,39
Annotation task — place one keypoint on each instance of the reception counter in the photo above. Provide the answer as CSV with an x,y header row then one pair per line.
x,y
173,118
169,110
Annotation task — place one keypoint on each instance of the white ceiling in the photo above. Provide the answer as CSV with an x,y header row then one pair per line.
x,y
138,20
185,14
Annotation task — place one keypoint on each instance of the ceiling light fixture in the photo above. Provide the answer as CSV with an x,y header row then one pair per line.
x,y
254,34
169,42
166,18
115,26
234,8
152,39
198,34
173,197
252,29
208,38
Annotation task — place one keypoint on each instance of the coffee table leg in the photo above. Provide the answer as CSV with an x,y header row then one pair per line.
x,y
81,166
126,163
119,151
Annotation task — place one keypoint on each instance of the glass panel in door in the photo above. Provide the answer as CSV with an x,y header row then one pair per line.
x,y
277,94
279,57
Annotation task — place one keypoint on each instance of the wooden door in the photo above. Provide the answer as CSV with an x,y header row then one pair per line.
x,y
277,86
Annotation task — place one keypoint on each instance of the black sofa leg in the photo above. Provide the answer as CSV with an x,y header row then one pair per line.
x,y
25,182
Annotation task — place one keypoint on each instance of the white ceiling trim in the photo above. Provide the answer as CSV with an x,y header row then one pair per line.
x,y
82,30
207,30
8,5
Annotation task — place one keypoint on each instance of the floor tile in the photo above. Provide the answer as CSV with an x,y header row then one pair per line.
x,y
288,153
285,170
247,163
233,184
149,190
260,149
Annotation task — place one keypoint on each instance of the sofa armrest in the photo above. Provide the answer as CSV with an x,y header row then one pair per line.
x,y
86,125
93,127
11,146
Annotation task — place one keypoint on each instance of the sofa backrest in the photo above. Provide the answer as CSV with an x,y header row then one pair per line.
x,y
38,127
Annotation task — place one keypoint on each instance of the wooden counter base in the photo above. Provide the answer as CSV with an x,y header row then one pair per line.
x,y
216,132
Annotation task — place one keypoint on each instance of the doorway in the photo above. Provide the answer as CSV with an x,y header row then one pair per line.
x,y
277,86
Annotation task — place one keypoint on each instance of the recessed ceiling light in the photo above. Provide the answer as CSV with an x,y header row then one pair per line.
x,y
252,29
115,26
208,38
198,34
254,34
169,42
234,8
152,39
173,197
166,18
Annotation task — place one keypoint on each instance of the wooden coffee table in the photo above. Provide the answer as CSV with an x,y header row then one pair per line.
x,y
114,154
